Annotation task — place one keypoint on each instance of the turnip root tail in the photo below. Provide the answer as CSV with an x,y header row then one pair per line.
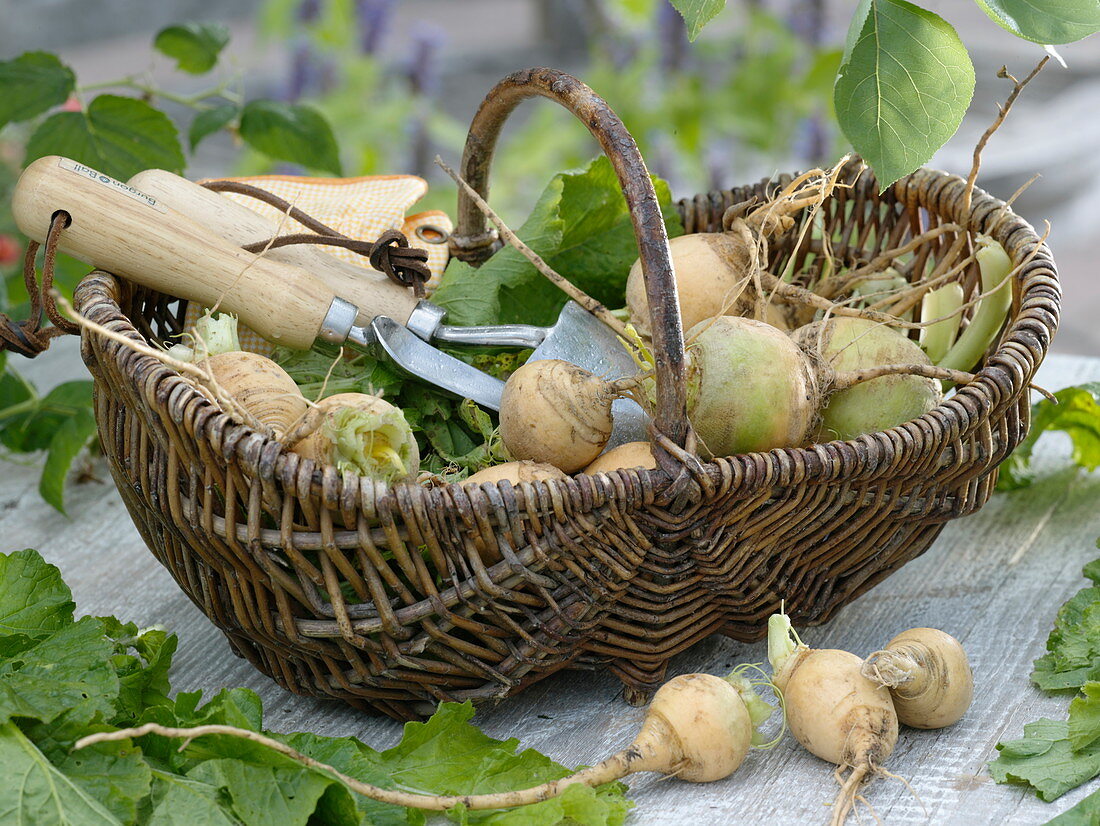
x,y
835,712
849,791
697,729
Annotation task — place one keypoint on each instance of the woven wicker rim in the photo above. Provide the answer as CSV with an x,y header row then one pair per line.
x,y
1004,376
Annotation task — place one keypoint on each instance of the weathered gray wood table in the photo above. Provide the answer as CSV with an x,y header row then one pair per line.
x,y
995,580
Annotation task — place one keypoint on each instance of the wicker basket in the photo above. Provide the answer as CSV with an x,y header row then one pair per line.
x,y
337,586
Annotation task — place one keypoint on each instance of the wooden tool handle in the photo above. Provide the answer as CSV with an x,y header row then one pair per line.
x,y
369,290
117,228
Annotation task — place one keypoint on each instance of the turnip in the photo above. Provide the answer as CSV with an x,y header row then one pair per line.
x,y
514,472
557,413
843,345
749,387
210,335
711,270
261,387
360,433
928,675
629,455
698,728
834,711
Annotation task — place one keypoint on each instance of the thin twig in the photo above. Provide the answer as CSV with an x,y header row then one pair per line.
x,y
850,378
576,293
257,256
203,376
1002,113
611,769
885,259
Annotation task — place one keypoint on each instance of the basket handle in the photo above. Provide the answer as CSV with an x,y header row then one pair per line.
x,y
472,242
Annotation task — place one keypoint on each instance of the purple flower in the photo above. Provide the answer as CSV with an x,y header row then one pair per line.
x,y
671,37
373,17
423,69
309,11
807,20
303,70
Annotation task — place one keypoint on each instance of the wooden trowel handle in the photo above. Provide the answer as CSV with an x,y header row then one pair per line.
x,y
369,290
117,228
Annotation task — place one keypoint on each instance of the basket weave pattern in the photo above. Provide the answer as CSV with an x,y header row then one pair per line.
x,y
382,596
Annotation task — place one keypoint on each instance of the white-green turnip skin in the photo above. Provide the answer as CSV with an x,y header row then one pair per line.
x,y
848,344
750,388
928,675
710,269
697,727
834,711
556,413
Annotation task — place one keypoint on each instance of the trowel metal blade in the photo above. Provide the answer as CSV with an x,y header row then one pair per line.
x,y
582,339
419,358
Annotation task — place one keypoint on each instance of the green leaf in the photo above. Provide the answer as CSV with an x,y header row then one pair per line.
x,y
1051,21
1085,813
31,84
67,673
291,132
1076,413
353,759
34,599
473,295
194,46
1073,644
905,83
115,774
43,794
697,13
72,437
1084,716
143,674
209,121
581,227
280,795
446,755
1050,772
35,427
61,680
119,136
180,801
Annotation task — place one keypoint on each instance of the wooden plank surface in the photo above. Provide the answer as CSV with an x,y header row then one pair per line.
x,y
995,580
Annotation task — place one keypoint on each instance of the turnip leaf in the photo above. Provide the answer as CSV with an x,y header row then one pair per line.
x,y
1077,414
1085,813
1050,771
34,599
581,227
43,793
904,84
1084,716
1051,21
62,679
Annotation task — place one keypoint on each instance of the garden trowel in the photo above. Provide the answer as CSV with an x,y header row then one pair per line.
x,y
577,336
124,230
